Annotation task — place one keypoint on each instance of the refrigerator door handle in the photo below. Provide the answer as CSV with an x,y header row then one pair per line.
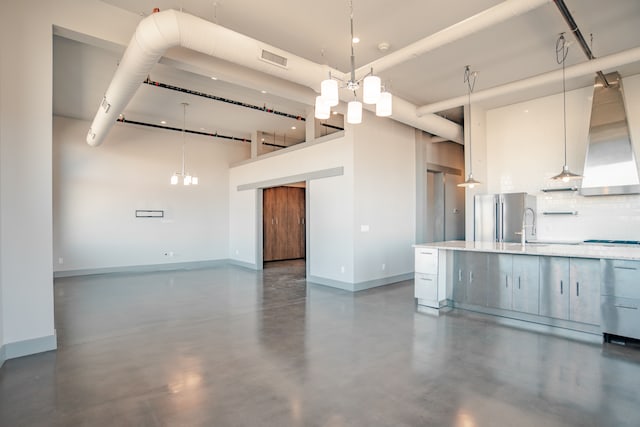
x,y
497,220
501,223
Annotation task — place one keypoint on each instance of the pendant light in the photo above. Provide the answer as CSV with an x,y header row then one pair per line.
x,y
354,111
470,80
323,108
187,179
372,91
561,55
384,107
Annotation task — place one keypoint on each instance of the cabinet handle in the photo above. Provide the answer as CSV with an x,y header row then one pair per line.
x,y
428,280
459,275
506,281
624,268
626,306
518,282
272,221
561,290
470,276
577,289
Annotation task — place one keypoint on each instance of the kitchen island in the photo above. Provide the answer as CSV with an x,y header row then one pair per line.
x,y
593,289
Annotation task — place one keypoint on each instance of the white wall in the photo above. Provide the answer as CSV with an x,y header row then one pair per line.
x,y
376,191
26,242
384,198
331,205
525,149
97,190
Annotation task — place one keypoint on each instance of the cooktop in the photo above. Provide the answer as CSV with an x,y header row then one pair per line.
x,y
613,242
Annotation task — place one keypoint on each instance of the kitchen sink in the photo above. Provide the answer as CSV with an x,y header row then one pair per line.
x,y
538,243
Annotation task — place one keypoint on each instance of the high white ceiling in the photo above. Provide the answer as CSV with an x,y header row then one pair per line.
x,y
521,47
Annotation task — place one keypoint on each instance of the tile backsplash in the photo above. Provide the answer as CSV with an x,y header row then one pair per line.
x,y
582,218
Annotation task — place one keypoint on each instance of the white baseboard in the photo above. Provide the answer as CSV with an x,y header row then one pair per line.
x,y
360,286
27,347
150,268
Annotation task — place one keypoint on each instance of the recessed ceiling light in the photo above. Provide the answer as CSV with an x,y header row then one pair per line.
x,y
203,129
355,39
263,91
335,112
293,127
214,78
163,122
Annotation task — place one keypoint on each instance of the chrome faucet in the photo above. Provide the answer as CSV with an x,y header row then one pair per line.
x,y
523,232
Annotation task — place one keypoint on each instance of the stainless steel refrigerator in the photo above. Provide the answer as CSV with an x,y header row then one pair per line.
x,y
501,217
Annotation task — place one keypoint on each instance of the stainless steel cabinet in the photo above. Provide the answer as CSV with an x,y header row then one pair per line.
x,y
584,297
460,276
500,281
526,284
513,282
620,298
470,278
554,289
570,289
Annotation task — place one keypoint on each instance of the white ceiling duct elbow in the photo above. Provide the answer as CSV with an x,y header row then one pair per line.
x,y
163,30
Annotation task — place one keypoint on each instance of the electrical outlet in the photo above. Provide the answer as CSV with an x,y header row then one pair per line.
x,y
237,252
342,269
60,260
384,267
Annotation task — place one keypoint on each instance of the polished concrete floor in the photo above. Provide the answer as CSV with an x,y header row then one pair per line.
x,y
231,347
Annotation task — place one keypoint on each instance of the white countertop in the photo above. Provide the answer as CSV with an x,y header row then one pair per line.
x,y
545,249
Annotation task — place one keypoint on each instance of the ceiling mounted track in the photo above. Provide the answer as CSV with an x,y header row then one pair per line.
x,y
122,119
573,26
225,100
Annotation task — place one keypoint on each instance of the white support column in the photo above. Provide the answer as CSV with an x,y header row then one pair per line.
x,y
254,144
310,126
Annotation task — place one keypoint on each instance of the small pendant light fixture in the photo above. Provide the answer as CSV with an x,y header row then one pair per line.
x,y
372,91
187,179
470,80
561,55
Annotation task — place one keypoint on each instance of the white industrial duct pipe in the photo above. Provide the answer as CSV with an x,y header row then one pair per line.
x,y
485,19
162,30
579,70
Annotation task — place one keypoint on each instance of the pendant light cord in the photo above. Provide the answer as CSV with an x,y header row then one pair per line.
x,y
184,125
562,50
352,84
470,80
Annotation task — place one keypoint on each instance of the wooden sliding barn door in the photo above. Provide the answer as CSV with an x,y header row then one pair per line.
x,y
283,213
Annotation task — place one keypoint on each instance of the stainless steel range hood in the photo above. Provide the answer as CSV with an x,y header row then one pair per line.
x,y
610,165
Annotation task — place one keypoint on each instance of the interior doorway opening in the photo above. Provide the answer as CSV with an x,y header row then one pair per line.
x,y
445,205
284,222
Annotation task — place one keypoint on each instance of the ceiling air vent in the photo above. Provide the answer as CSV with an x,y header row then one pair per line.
x,y
274,59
